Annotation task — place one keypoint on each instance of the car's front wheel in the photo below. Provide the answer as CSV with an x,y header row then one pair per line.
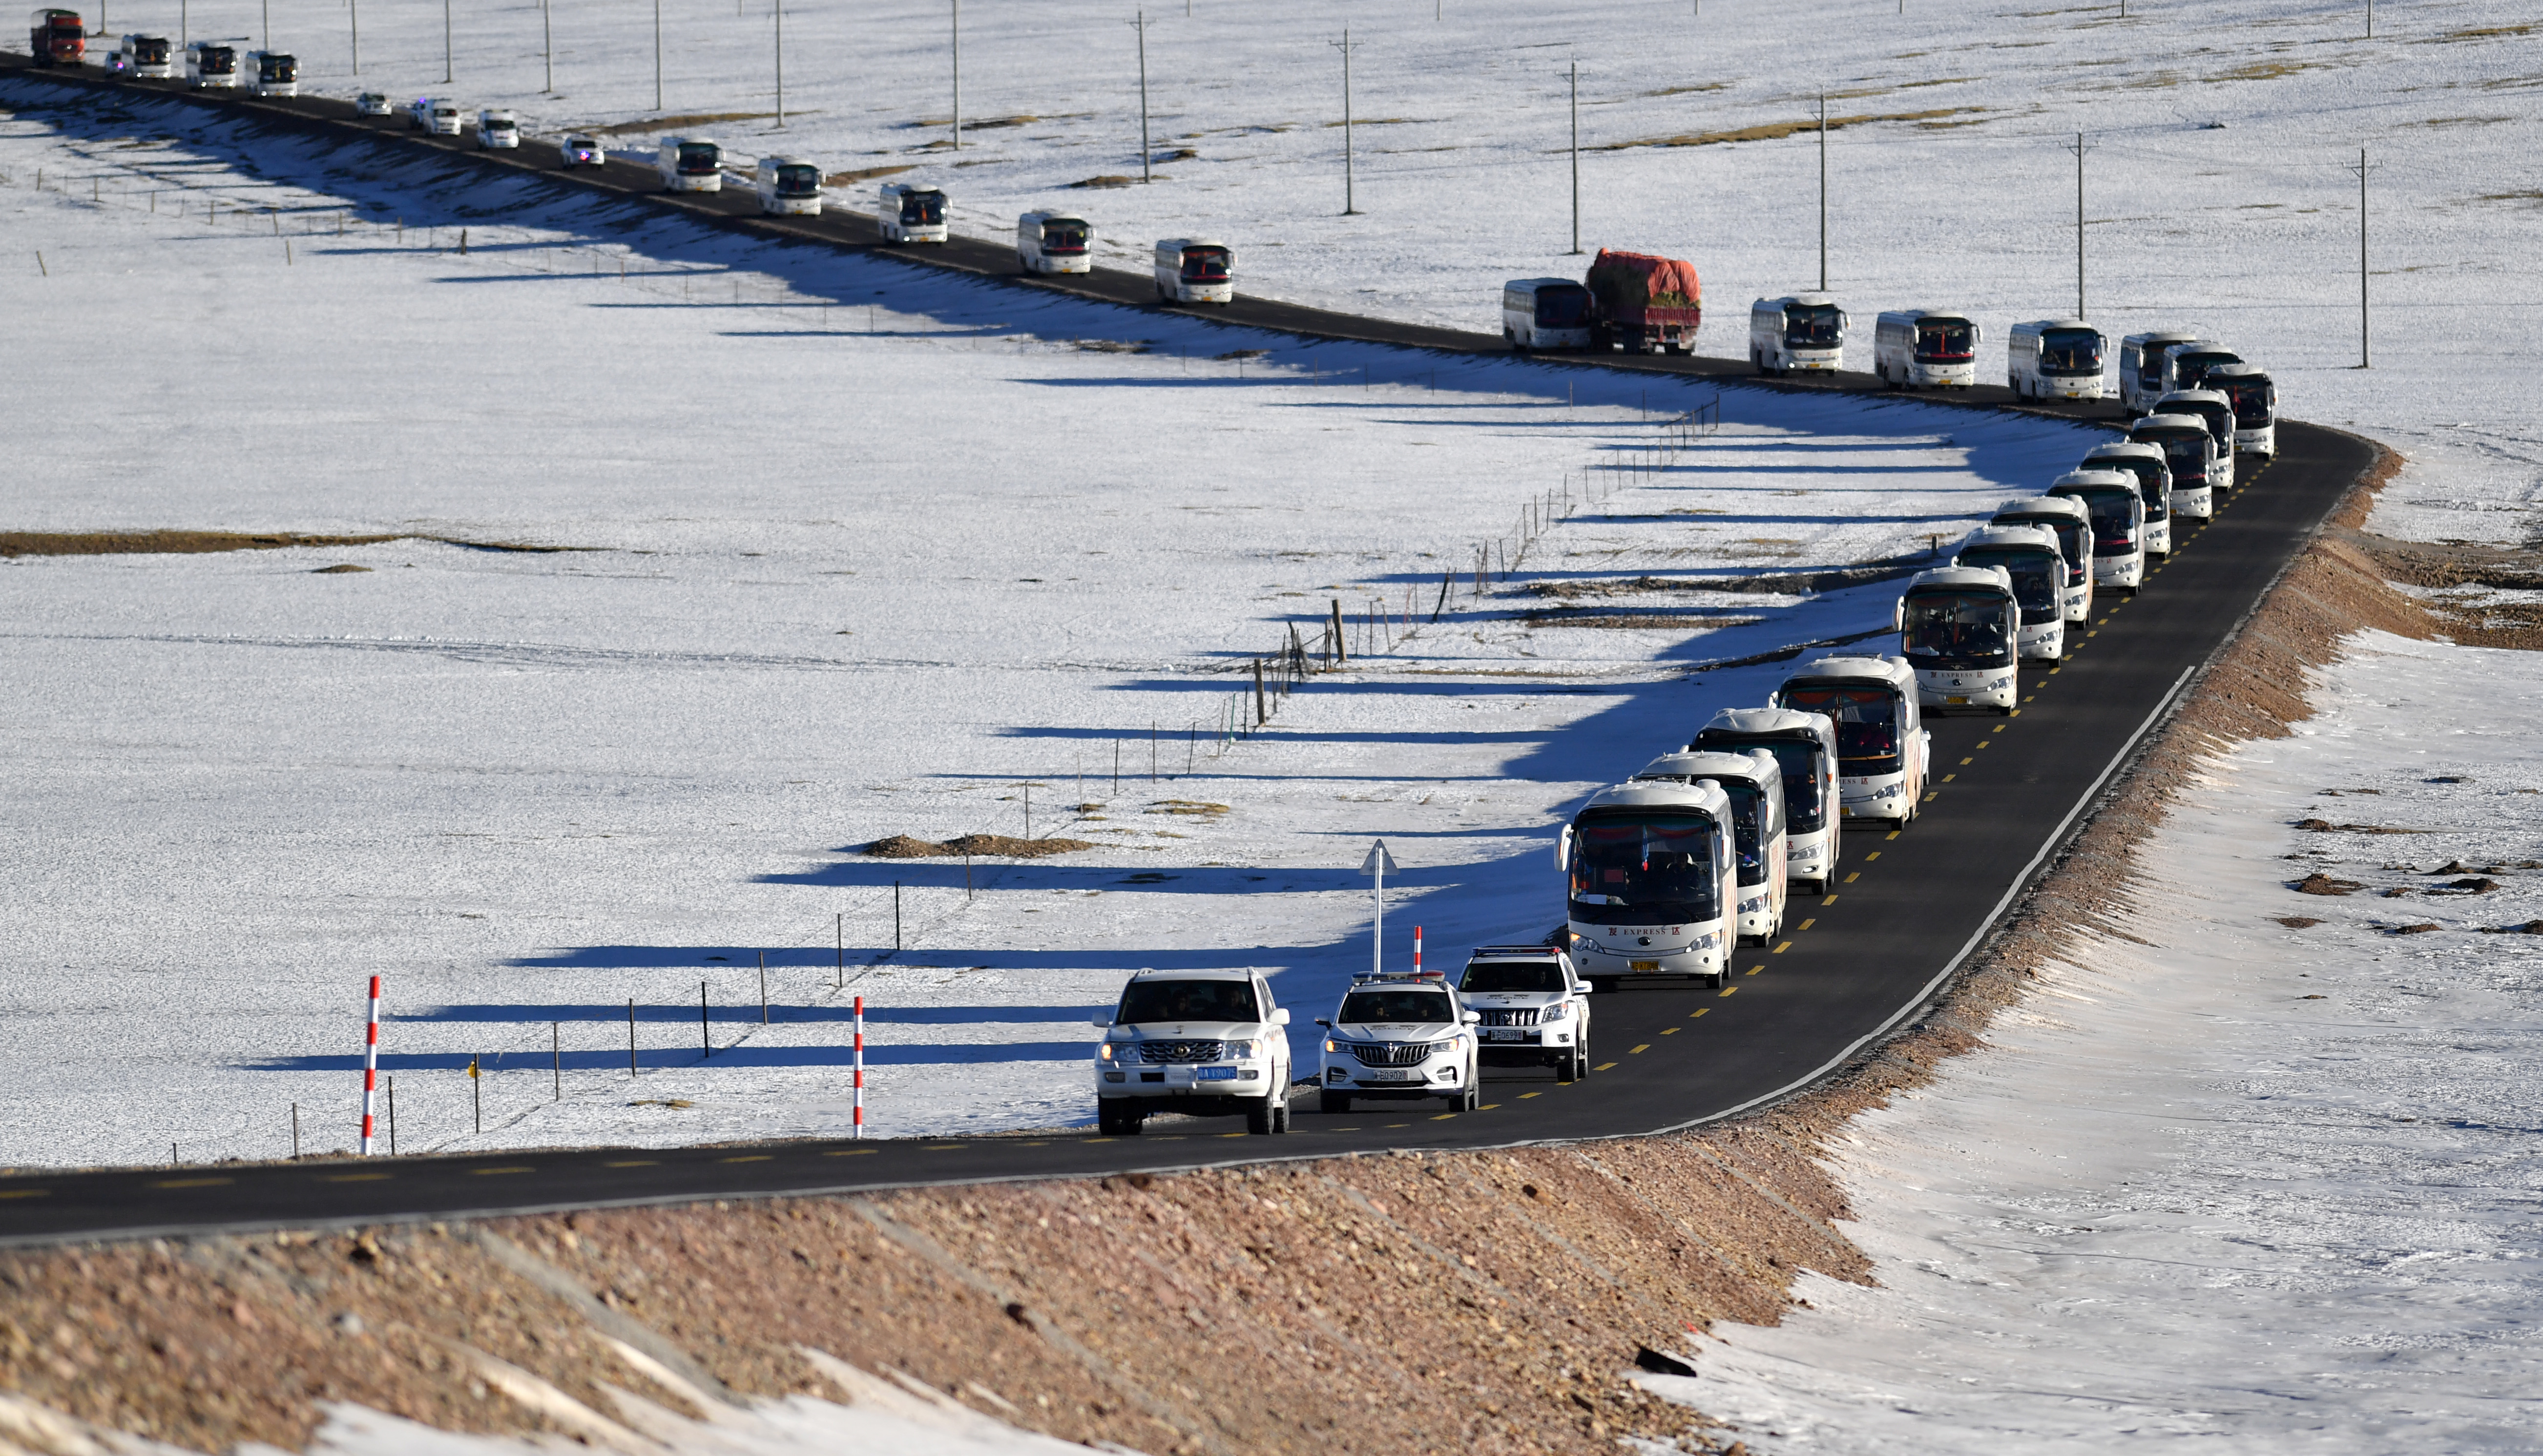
x,y
1261,1114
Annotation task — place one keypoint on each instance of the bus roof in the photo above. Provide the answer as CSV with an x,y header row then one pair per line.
x,y
1856,667
1772,722
2155,423
1807,300
1662,793
1961,579
1757,766
2061,506
1938,315
2239,369
2125,450
2017,534
2084,480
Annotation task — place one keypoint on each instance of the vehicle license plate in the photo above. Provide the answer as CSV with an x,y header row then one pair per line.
x,y
1956,702
1644,964
1389,1074
1218,1074
1506,1034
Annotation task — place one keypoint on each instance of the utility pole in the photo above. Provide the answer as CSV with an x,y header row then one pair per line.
x,y
1576,156
2370,19
1823,191
2078,149
357,35
446,43
957,75
2365,357
547,42
269,25
1146,150
1349,207
657,54
781,65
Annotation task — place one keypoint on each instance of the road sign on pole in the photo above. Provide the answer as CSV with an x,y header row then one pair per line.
x,y
1380,864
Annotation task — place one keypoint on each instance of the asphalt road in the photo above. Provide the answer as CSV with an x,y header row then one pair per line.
x,y
1855,964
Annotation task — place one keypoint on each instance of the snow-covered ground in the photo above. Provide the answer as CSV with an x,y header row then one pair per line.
x,y
831,577
2235,1184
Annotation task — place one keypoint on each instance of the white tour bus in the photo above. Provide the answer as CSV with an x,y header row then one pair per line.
x,y
146,57
1653,883
906,212
2154,486
2055,360
1960,629
2215,410
788,186
273,73
2141,367
1800,330
2028,556
1545,313
1196,271
1882,747
1804,745
1054,243
2185,365
497,129
690,164
2110,498
2255,399
2190,453
1754,782
2065,518
1926,348
210,63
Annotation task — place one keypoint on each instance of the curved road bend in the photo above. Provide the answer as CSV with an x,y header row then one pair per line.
x,y
1853,965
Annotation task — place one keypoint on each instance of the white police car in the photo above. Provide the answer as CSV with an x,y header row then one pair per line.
x,y
1207,1043
582,151
1534,1008
1398,1036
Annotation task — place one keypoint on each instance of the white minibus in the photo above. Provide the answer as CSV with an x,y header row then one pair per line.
x,y
1545,313
2111,498
211,65
1054,243
2072,526
2255,399
2054,359
1926,348
2185,365
2141,367
1800,330
1653,883
690,164
273,73
1804,745
2154,486
788,186
1194,270
498,127
146,57
2190,453
1755,783
2213,410
1881,748
2028,556
1960,629
906,212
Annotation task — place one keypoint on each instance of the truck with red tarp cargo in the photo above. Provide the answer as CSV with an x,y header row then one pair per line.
x,y
1642,303
55,37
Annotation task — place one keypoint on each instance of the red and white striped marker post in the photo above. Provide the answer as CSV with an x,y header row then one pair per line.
x,y
1417,949
370,1063
857,1115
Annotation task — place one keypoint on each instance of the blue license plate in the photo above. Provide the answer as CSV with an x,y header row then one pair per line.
x,y
1218,1074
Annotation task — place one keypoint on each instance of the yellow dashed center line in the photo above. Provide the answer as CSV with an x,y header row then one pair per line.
x,y
1806,924
1602,1066
358,1178
1780,950
1646,1046
1831,901
1669,1030
499,1172
1726,990
194,1182
1524,1096
752,1158
34,1192
861,1152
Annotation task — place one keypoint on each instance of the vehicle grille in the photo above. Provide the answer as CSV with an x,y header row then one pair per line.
x,y
1519,1015
1395,1053
1180,1051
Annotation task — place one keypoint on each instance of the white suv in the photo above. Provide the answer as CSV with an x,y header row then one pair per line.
x,y
1398,1036
1534,1008
1207,1043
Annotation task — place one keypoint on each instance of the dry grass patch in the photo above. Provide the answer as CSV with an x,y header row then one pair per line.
x,y
676,123
187,543
985,846
1774,130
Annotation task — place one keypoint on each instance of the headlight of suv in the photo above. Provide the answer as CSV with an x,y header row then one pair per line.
x,y
1104,1053
1238,1051
1555,1013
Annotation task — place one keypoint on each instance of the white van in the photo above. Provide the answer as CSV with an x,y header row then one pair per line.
x,y
1800,330
2154,486
497,130
1054,243
1959,626
2213,410
906,212
211,65
1545,313
2141,367
2054,359
146,57
1926,348
788,185
1196,271
1804,746
1754,782
273,73
2185,365
690,164
2071,523
2255,399
2030,558
1883,751
438,114
2190,453
2110,498
1653,883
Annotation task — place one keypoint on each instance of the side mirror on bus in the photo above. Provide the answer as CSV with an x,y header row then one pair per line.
x,y
1563,849
1898,615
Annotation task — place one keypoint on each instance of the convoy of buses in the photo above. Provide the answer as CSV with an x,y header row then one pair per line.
x,y
1667,872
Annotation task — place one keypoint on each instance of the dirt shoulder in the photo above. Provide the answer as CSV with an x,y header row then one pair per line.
x,y
1487,1302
